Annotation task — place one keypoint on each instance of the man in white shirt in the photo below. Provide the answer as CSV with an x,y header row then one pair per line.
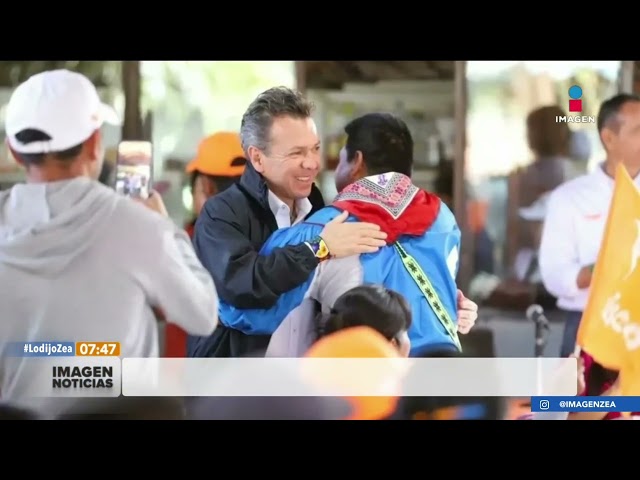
x,y
577,214
78,262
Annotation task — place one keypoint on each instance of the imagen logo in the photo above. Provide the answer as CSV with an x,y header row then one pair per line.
x,y
575,106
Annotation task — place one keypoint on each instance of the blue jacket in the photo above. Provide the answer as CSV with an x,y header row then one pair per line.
x,y
436,250
228,233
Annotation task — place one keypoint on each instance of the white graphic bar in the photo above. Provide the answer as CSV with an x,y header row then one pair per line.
x,y
293,377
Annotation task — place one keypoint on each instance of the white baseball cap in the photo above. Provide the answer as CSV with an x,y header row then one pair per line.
x,y
537,211
63,104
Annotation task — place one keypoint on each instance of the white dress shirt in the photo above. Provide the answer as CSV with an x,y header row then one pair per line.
x,y
572,235
282,212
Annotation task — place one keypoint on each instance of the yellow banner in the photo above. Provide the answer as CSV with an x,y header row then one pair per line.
x,y
610,327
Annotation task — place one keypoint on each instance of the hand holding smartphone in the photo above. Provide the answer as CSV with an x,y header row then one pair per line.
x,y
134,169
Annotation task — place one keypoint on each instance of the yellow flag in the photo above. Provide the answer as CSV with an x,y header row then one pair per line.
x,y
610,327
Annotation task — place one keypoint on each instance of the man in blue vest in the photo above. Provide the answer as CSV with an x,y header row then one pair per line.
x,y
420,259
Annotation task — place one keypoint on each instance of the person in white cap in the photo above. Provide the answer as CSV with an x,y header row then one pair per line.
x,y
78,262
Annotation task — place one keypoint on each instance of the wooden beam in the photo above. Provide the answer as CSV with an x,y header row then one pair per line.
x,y
131,86
348,71
378,70
330,75
301,76
459,179
444,70
333,75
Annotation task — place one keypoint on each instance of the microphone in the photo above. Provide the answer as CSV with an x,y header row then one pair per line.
x,y
535,313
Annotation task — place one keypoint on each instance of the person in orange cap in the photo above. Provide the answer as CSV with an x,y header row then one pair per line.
x,y
357,342
218,164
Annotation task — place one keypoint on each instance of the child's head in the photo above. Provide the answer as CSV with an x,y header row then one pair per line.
x,y
374,306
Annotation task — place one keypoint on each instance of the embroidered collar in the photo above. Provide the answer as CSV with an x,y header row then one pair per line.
x,y
391,191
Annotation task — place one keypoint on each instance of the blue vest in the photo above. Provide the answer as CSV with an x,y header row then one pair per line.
x,y
436,251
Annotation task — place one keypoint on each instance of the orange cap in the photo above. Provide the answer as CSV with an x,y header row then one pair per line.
x,y
358,342
216,154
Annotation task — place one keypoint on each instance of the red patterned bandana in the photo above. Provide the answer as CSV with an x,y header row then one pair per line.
x,y
391,201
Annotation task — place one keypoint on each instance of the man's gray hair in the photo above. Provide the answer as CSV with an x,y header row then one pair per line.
x,y
255,128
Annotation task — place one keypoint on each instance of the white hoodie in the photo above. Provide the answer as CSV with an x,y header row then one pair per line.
x,y
80,263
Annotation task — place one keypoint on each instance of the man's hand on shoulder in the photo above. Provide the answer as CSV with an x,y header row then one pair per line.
x,y
344,239
467,313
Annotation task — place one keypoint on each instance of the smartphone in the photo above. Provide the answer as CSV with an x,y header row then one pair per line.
x,y
134,169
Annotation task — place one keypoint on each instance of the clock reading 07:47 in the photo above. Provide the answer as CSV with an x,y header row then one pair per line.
x,y
98,349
